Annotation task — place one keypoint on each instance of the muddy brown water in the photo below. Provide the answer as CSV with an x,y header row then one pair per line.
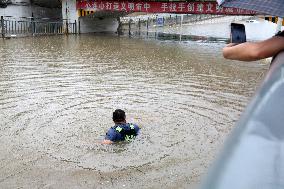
x,y
57,95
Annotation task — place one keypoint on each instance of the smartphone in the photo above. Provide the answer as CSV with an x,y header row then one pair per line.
x,y
238,33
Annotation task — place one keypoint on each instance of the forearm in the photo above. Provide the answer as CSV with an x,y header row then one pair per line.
x,y
244,52
251,51
107,142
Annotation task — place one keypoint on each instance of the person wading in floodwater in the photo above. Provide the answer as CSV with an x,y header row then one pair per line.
x,y
121,131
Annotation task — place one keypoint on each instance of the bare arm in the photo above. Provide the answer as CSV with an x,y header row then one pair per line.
x,y
106,142
251,51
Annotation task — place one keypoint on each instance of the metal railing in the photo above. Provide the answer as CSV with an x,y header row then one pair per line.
x,y
171,26
11,26
146,23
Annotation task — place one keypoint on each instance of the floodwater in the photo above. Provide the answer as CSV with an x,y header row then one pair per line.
x,y
57,95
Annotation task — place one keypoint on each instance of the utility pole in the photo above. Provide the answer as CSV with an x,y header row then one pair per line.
x,y
180,31
2,27
66,13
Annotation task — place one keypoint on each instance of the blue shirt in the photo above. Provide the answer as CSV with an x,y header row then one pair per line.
x,y
121,132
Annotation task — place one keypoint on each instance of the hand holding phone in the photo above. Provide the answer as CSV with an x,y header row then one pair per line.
x,y
238,33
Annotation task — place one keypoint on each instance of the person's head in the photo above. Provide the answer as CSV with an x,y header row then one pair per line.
x,y
118,116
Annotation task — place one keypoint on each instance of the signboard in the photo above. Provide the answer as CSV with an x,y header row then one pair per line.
x,y
160,21
160,7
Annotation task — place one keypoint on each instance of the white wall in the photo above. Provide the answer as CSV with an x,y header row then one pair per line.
x,y
27,10
220,28
69,10
87,23
16,11
254,31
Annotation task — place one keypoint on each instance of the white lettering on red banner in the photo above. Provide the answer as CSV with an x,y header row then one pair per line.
x,y
159,7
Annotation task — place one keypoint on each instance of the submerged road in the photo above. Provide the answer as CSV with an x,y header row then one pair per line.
x,y
57,95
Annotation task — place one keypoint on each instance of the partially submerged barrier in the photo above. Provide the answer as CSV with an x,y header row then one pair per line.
x,y
12,27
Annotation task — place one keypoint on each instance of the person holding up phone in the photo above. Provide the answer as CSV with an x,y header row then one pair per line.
x,y
252,51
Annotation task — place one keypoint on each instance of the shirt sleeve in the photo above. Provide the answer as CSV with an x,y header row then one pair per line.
x,y
111,135
136,128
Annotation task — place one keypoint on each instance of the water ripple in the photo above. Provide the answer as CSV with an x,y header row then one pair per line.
x,y
57,95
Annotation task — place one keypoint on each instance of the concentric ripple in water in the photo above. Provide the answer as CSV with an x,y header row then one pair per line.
x,y
57,95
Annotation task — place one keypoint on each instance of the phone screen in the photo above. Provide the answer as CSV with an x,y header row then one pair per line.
x,y
238,33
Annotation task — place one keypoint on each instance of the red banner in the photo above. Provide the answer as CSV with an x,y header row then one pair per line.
x,y
160,7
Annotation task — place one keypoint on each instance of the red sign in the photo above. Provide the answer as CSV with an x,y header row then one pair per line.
x,y
160,7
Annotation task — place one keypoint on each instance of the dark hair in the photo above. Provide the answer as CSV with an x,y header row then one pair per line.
x,y
118,115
